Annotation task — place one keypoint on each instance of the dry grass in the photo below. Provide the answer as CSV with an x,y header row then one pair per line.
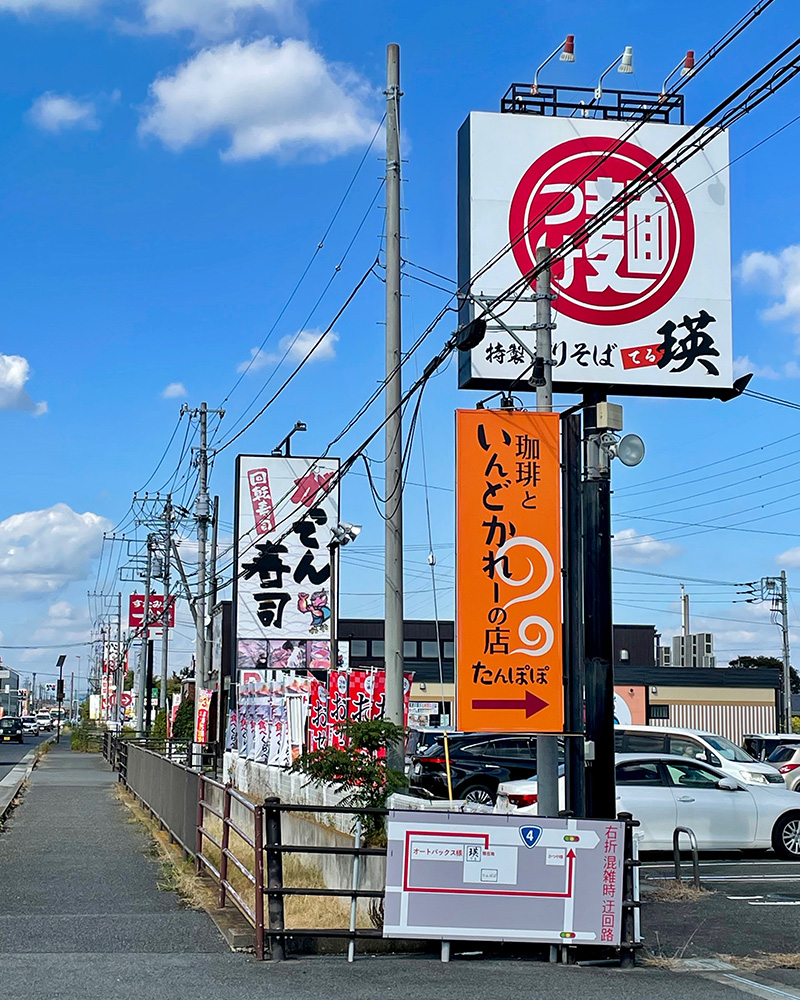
x,y
763,961
42,750
670,891
202,892
299,911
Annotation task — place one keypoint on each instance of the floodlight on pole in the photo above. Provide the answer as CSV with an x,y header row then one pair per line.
x,y
686,66
567,50
624,63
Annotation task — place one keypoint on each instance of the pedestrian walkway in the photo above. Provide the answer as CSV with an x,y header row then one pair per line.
x,y
81,916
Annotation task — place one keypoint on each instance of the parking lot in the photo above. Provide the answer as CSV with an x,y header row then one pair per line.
x,y
751,906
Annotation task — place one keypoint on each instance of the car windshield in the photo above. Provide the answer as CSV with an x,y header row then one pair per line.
x,y
728,749
8,723
29,718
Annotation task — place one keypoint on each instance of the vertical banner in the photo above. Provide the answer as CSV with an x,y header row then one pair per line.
x,y
318,716
285,509
203,708
508,601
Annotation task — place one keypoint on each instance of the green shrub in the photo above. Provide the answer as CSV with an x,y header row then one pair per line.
x,y
183,728
159,730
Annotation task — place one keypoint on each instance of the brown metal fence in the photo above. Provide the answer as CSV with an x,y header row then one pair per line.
x,y
253,851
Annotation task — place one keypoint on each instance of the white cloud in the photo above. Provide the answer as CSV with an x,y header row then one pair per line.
x,y
60,112
631,548
212,19
23,8
777,275
790,559
744,366
43,550
174,391
14,373
62,623
294,347
269,98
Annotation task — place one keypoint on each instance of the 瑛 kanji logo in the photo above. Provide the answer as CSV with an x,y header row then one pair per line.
x,y
629,267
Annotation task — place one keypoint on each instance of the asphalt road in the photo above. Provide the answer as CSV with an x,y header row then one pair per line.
x,y
751,906
13,752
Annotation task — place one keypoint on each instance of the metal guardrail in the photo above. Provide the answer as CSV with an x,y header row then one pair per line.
x,y
254,841
676,854
167,789
276,890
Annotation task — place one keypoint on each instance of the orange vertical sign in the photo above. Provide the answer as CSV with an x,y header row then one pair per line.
x,y
508,555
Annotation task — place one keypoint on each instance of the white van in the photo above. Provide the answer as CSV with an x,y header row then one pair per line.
x,y
699,745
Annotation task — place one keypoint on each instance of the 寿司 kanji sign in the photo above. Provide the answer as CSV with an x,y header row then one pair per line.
x,y
641,305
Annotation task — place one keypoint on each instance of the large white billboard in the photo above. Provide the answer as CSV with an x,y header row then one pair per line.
x,y
644,304
283,521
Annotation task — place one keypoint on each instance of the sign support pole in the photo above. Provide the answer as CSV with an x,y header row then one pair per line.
x,y
546,746
574,668
599,630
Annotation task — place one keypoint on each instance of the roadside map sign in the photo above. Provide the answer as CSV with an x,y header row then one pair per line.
x,y
508,599
481,877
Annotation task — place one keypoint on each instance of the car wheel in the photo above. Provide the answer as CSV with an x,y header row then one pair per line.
x,y
786,837
481,794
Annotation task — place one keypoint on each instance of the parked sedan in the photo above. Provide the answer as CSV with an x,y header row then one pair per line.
x,y
787,761
664,792
478,763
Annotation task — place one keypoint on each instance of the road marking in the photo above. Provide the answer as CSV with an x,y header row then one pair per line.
x,y
753,987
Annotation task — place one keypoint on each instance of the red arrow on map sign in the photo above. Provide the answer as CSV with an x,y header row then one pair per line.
x,y
531,703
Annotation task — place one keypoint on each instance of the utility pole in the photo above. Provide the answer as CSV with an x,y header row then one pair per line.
x,y
142,679
393,603
787,669
71,696
685,628
546,746
162,695
120,665
202,513
33,693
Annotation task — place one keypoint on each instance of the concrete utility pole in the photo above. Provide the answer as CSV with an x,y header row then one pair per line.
x,y
686,657
142,679
202,516
787,668
546,746
120,678
162,695
393,604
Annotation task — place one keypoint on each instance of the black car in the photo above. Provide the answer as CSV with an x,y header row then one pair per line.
x,y
478,763
11,729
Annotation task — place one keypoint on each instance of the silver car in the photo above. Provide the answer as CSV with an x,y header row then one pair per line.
x,y
30,725
787,761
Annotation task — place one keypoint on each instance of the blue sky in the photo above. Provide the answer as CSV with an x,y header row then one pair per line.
x,y
170,167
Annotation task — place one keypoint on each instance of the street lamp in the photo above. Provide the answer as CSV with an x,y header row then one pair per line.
x,y
343,534
567,50
686,66
625,66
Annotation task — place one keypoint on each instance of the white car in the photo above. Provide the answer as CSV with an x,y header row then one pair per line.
x,y
664,792
30,725
696,744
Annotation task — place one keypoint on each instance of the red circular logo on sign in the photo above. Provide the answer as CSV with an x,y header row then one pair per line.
x,y
633,264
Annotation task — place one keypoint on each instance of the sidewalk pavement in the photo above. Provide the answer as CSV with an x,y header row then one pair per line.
x,y
81,916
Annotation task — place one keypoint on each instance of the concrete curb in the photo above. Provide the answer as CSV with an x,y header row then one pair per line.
x,y
11,783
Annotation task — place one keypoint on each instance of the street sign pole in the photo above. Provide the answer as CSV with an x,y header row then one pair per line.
x,y
60,694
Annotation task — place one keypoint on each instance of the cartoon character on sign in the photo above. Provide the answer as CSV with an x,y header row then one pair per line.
x,y
317,606
630,266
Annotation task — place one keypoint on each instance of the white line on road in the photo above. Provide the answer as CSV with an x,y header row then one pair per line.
x,y
752,986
